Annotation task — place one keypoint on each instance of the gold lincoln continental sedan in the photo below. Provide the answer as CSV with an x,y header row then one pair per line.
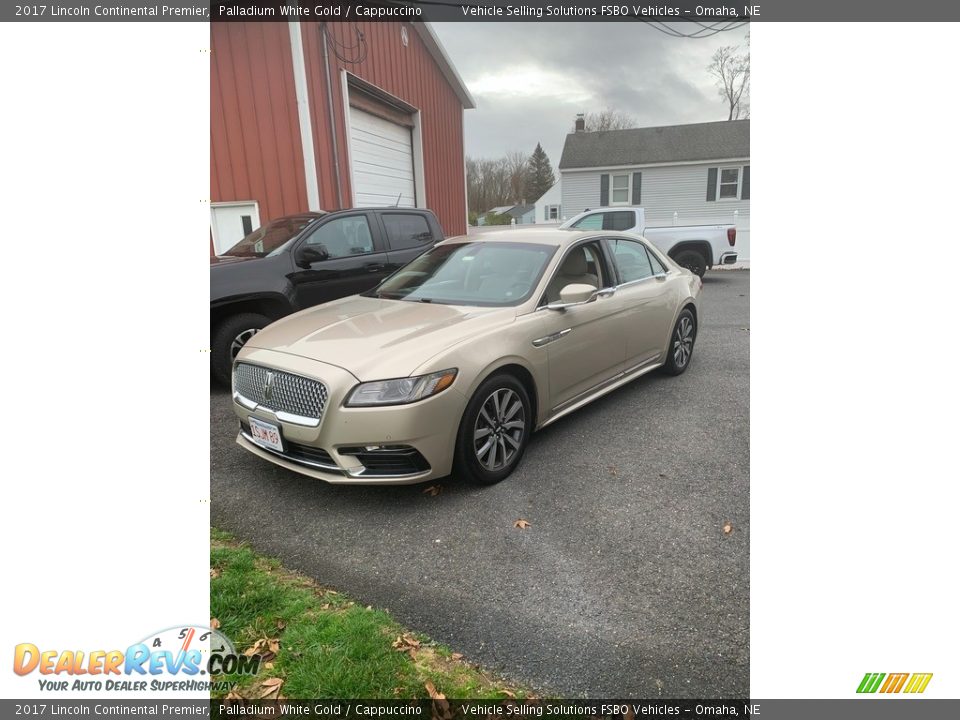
x,y
451,363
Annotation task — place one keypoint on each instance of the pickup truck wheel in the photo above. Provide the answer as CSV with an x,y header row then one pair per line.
x,y
494,430
682,339
232,334
692,261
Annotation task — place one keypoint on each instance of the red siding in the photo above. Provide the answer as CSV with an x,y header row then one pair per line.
x,y
256,152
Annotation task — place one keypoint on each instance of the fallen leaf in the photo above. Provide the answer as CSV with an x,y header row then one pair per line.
x,y
457,656
612,469
727,528
433,490
274,646
406,643
234,695
281,624
509,694
214,573
522,524
214,623
434,693
270,686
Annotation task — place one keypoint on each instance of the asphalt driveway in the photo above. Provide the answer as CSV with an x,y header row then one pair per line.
x,y
625,584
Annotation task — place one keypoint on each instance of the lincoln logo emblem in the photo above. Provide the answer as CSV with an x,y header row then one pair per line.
x,y
268,387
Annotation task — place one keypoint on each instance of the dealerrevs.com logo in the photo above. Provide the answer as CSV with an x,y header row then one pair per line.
x,y
894,683
178,659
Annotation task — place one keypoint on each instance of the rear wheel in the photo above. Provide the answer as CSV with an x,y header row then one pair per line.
x,y
681,344
230,336
693,261
494,430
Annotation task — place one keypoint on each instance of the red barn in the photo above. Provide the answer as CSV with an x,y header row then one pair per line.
x,y
324,116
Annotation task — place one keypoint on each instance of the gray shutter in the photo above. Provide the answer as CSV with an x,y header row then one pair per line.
x,y
711,184
745,184
604,190
636,189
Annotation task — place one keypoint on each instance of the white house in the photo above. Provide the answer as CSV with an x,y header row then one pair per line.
x,y
681,174
549,208
519,214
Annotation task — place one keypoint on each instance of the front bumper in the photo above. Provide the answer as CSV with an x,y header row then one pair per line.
x,y
397,445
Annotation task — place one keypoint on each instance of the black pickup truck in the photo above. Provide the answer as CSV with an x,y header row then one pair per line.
x,y
296,261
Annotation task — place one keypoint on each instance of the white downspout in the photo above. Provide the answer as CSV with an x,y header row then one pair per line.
x,y
303,111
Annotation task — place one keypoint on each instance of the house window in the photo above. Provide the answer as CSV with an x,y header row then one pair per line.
x,y
729,186
620,189
553,212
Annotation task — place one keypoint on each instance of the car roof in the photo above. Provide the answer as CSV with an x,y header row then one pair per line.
x,y
542,236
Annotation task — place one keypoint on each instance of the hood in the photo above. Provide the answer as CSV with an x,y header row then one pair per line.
x,y
377,339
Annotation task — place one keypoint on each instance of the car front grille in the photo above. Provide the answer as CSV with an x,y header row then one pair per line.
x,y
281,392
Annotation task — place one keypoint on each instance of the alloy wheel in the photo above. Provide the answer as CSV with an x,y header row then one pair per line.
x,y
683,342
498,429
240,340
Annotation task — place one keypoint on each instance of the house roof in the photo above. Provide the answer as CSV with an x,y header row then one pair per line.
x,y
520,210
432,43
500,209
666,144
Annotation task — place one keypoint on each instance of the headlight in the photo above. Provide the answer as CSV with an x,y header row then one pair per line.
x,y
402,390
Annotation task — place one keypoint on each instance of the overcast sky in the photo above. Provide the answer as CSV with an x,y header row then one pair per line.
x,y
530,80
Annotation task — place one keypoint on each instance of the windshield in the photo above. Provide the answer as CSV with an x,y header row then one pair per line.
x,y
270,237
473,273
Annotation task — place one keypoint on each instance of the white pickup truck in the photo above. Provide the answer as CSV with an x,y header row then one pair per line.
x,y
695,247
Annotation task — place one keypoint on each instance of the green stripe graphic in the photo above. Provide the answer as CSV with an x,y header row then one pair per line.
x,y
871,682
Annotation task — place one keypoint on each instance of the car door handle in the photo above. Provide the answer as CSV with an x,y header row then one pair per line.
x,y
374,267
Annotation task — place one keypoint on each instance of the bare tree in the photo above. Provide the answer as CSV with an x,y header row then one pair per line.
x,y
516,164
608,119
488,184
731,69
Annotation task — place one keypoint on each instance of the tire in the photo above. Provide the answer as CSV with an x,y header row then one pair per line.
x,y
693,261
487,467
228,338
682,339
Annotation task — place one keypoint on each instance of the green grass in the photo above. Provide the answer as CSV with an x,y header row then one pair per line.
x,y
329,645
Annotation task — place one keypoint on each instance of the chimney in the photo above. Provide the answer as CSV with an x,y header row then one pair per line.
x,y
580,124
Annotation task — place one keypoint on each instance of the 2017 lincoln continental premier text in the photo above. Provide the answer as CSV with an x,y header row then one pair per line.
x,y
451,363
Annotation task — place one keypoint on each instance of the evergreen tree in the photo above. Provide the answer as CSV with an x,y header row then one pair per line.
x,y
540,176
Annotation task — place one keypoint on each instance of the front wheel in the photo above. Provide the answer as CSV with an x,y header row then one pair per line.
x,y
228,338
693,261
494,431
681,344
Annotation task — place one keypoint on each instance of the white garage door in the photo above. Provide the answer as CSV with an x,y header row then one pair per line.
x,y
381,154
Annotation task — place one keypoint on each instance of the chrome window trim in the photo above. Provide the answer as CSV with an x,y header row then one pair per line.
x,y
601,292
646,247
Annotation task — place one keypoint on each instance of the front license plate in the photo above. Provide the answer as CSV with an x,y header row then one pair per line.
x,y
266,435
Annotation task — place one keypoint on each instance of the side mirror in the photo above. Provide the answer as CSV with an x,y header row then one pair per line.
x,y
309,254
574,294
